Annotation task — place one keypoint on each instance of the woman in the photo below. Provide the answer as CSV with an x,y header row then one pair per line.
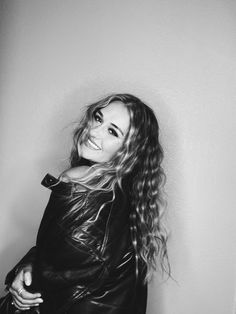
x,y
101,231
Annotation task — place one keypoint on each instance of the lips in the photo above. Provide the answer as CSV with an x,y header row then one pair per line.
x,y
90,143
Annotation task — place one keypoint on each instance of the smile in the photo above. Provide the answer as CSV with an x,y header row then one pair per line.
x,y
93,145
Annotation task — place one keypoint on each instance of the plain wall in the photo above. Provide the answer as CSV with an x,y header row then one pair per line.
x,y
179,57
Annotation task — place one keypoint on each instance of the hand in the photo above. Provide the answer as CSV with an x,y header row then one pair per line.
x,y
23,299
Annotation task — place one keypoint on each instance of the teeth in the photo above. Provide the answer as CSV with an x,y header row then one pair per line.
x,y
93,145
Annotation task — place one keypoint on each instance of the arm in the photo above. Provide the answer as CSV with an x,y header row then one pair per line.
x,y
73,265
79,273
68,268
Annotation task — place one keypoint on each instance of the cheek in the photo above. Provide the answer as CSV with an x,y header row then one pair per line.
x,y
113,146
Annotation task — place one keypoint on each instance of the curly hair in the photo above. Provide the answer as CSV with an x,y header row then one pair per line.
x,y
139,160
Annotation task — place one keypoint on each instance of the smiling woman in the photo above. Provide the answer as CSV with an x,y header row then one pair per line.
x,y
109,128
101,235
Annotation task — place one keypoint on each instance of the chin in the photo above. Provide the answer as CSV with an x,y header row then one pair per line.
x,y
89,157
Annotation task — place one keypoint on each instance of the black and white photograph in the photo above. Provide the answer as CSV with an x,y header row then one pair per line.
x,y
117,157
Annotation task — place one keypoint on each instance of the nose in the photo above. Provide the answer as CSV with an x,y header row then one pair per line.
x,y
97,131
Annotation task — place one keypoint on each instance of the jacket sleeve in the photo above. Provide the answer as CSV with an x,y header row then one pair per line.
x,y
29,258
96,249
78,272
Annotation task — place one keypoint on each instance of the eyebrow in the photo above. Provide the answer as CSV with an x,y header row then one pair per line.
x,y
114,125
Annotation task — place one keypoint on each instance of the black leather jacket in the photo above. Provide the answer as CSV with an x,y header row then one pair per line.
x,y
90,268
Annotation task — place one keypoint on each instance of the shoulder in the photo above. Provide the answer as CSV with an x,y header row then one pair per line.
x,y
75,173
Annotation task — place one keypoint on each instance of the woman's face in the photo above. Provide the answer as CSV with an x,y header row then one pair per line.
x,y
109,128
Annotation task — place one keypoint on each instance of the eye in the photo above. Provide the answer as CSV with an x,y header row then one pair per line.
x,y
113,132
97,117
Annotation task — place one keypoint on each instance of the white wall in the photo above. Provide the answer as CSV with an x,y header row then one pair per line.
x,y
179,56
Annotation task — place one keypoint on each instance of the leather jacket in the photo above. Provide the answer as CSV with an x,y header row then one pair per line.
x,y
87,265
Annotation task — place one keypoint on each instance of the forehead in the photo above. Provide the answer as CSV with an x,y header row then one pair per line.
x,y
117,113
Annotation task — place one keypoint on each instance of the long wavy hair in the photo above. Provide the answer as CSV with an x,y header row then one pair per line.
x,y
138,160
